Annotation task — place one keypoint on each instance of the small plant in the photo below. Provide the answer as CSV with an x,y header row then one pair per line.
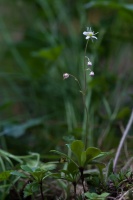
x,y
23,176
80,154
34,179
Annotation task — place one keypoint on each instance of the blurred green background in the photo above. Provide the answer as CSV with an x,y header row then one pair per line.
x,y
42,39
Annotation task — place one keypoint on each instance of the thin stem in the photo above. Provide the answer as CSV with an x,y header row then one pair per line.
x,y
82,177
86,132
85,68
77,82
84,97
74,185
41,190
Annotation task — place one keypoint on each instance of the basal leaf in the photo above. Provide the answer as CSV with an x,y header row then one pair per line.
x,y
72,167
77,148
38,175
83,158
92,152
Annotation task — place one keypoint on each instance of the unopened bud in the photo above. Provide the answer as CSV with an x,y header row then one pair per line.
x,y
91,73
89,63
65,76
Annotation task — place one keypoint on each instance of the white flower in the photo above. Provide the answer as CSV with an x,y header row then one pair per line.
x,y
89,34
65,76
89,63
91,73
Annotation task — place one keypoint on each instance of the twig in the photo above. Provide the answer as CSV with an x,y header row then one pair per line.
x,y
121,198
125,144
122,141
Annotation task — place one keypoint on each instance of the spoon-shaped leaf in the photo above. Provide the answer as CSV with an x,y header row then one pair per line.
x,y
77,148
92,152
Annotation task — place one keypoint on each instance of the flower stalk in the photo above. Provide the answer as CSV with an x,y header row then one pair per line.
x,y
89,35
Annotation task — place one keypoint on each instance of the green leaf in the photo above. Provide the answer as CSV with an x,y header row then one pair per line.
x,y
47,166
92,152
94,196
104,195
77,148
38,175
5,175
103,154
72,167
26,168
83,158
66,172
30,189
7,155
20,174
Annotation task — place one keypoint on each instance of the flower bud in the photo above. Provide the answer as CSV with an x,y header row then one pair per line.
x,y
65,76
89,63
91,73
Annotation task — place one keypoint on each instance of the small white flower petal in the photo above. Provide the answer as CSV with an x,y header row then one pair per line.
x,y
87,37
85,33
94,37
